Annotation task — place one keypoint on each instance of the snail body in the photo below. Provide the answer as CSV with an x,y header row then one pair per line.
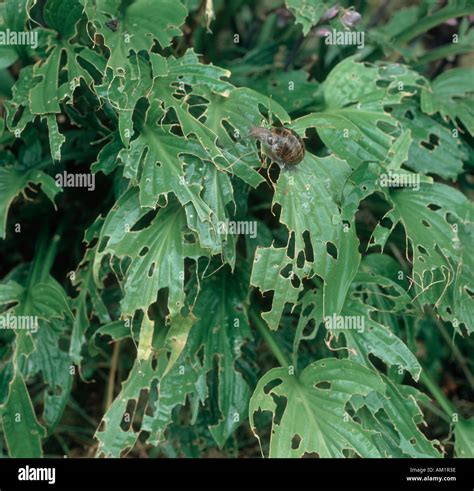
x,y
282,144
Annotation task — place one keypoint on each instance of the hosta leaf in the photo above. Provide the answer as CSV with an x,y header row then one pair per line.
x,y
354,135
354,124
113,438
55,367
303,92
220,332
300,194
48,88
338,268
42,88
366,336
157,253
62,15
434,240
22,431
171,391
44,299
124,93
18,113
307,13
369,86
83,281
273,270
312,186
314,418
14,16
398,410
337,274
166,386
16,179
451,94
241,109
188,70
377,339
434,149
134,26
166,168
464,438
387,295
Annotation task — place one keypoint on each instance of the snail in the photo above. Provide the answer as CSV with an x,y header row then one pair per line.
x,y
283,145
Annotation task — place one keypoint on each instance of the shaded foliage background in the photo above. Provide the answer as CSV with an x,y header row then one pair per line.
x,y
160,337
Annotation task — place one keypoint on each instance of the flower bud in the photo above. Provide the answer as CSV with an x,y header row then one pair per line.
x,y
350,18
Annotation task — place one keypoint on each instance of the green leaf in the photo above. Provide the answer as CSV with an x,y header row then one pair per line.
x,y
396,417
157,253
311,186
22,431
62,16
451,94
307,14
432,218
55,367
399,409
220,332
113,439
13,181
168,168
434,150
354,124
377,339
299,194
273,270
134,26
83,281
464,438
314,418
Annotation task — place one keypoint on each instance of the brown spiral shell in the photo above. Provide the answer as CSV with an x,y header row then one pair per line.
x,y
282,144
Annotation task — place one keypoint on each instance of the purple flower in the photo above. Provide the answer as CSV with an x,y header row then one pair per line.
x,y
350,18
330,14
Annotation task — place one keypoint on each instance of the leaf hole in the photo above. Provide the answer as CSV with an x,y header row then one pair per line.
x,y
386,222
300,259
324,385
280,403
331,249
272,384
295,281
422,250
432,143
286,271
309,328
295,442
308,248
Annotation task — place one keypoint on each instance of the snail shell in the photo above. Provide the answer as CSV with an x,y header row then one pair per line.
x,y
282,144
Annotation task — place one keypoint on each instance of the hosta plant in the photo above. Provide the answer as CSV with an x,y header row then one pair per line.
x,y
169,287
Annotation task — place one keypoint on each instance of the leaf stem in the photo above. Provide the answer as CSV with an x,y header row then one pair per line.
x,y
430,21
269,339
112,374
437,394
52,250
454,347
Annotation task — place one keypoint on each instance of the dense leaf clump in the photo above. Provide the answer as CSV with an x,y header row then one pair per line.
x,y
334,322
